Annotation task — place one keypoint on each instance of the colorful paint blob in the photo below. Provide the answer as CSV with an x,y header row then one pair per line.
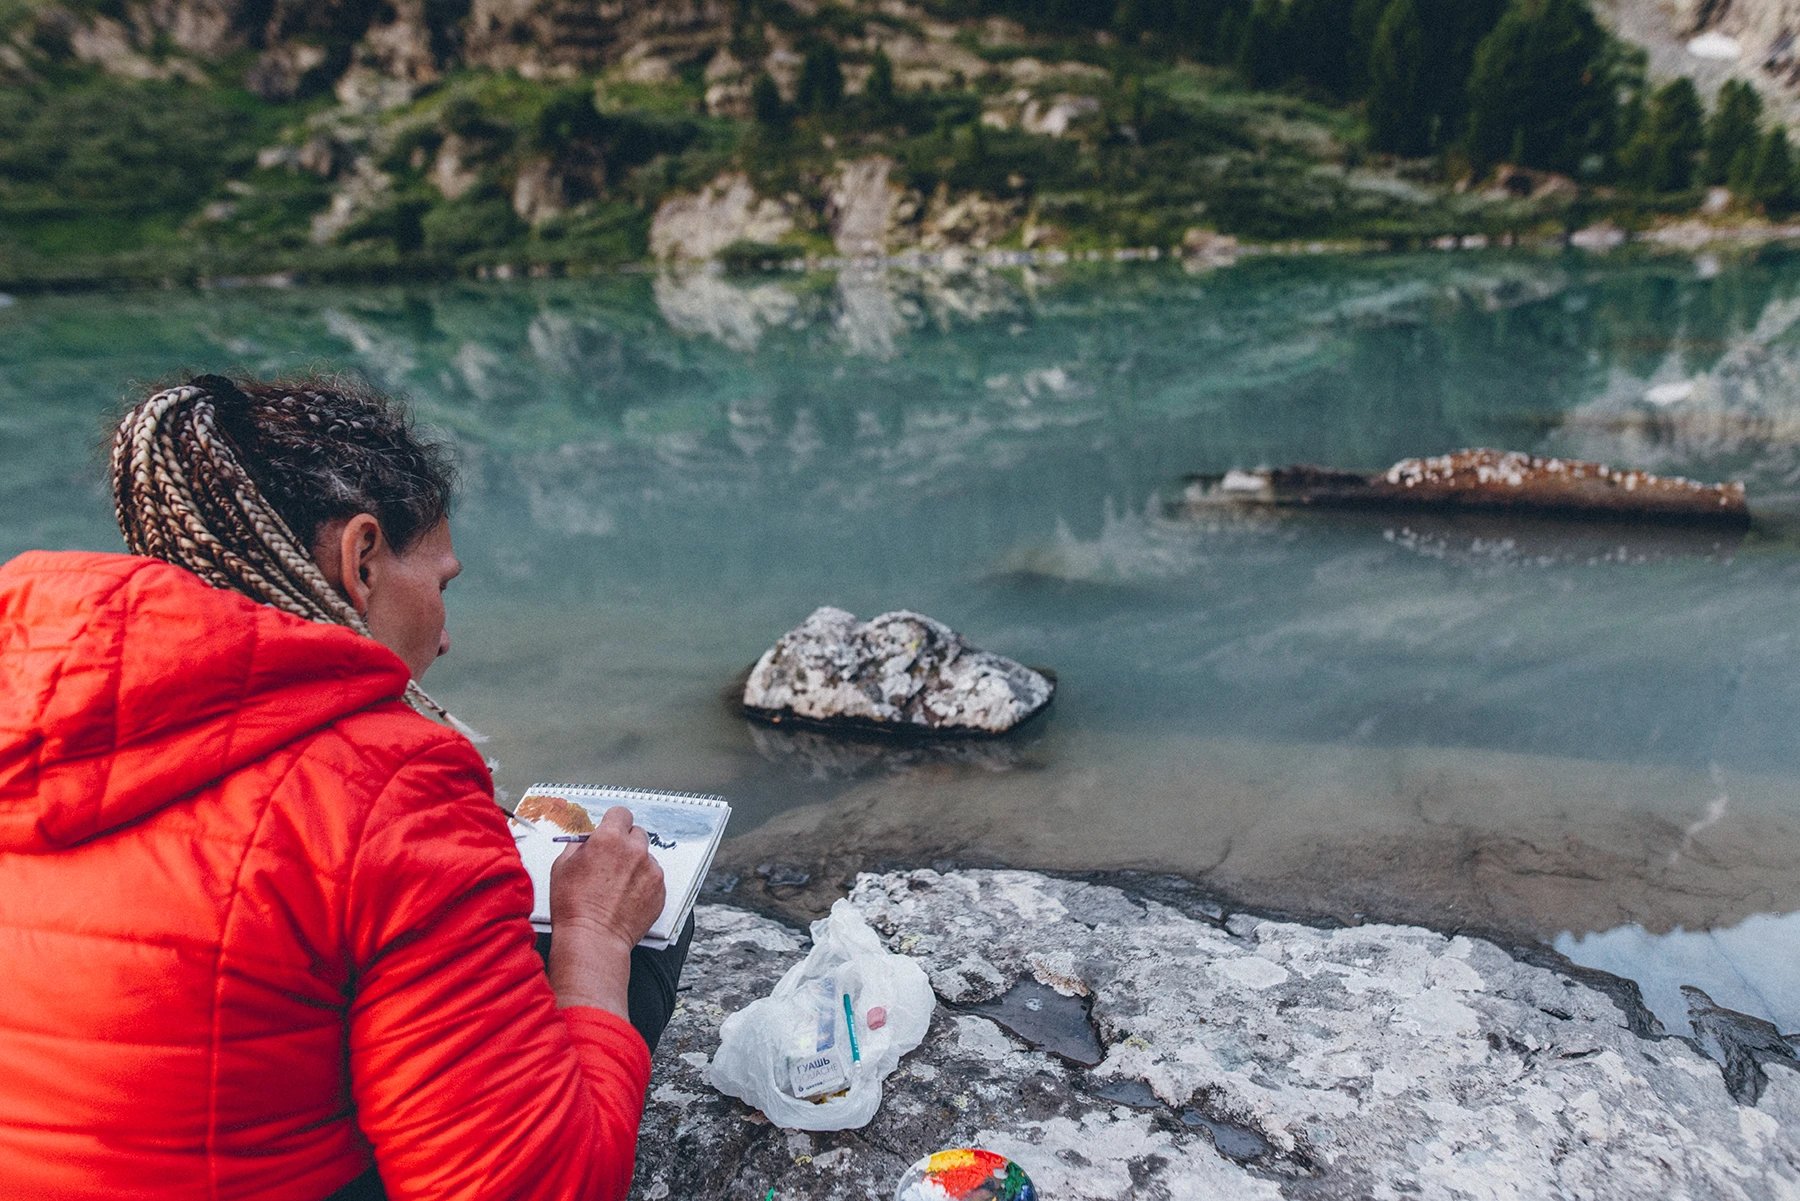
x,y
965,1174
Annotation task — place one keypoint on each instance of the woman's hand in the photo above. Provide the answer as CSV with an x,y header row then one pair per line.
x,y
604,893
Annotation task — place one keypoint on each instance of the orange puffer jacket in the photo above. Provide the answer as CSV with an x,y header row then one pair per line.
x,y
261,925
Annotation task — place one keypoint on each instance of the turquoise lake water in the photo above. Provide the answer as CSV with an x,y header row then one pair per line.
x,y
1580,736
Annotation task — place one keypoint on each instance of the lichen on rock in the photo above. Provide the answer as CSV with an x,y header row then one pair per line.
x,y
1243,1058
900,671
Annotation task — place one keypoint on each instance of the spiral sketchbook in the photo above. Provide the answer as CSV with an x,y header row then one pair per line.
x,y
684,829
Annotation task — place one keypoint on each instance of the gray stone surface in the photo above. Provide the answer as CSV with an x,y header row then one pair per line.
x,y
1238,1058
900,670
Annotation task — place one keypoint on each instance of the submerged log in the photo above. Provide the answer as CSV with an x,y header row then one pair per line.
x,y
1486,481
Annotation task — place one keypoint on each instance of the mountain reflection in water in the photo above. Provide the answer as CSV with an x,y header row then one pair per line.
x,y
1744,966
1519,730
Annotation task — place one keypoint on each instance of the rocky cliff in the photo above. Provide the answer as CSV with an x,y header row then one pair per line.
x,y
1763,30
285,46
1715,40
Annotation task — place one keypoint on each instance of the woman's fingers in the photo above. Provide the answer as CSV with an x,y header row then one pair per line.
x,y
611,880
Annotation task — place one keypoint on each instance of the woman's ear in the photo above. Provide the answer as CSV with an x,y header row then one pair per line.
x,y
349,553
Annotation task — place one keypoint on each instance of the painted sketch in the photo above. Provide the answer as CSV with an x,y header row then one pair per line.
x,y
683,832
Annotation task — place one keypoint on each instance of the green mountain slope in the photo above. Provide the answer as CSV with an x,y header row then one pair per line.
x,y
198,138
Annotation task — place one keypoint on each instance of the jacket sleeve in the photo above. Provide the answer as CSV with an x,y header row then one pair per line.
x,y
467,1079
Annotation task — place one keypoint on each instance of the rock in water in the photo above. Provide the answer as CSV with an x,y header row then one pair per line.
x,y
1489,480
900,671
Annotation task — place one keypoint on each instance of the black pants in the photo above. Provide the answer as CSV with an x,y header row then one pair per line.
x,y
649,999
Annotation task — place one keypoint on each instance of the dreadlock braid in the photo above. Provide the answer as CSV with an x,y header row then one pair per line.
x,y
224,479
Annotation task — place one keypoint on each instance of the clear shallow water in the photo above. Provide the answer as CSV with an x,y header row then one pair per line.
x,y
1577,736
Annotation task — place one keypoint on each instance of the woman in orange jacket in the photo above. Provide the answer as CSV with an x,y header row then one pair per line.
x,y
263,929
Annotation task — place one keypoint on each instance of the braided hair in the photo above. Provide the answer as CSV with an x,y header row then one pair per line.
x,y
235,480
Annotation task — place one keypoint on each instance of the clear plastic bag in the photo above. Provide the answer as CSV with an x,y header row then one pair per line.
x,y
812,1054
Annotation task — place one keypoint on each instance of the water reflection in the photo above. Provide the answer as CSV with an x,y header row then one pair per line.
x,y
1509,544
1744,967
832,757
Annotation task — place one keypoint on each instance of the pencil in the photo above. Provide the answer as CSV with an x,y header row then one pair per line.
x,y
655,838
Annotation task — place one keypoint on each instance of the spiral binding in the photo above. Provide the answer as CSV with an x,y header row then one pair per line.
x,y
621,792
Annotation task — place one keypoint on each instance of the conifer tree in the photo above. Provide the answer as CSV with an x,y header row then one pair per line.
x,y
1743,167
766,104
880,88
1365,19
1661,156
1133,19
1130,19
821,87
1399,119
1228,43
1632,88
1452,30
1772,178
1542,82
1194,24
1263,56
1215,27
1317,32
1735,126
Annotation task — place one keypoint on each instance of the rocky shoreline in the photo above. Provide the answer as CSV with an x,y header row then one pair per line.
x,y
1145,1043
1683,238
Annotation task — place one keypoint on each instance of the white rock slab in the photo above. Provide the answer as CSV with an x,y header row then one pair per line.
x,y
901,670
1372,1062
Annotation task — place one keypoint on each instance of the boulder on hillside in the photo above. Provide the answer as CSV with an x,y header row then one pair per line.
x,y
900,672
281,72
698,226
540,192
1486,480
861,206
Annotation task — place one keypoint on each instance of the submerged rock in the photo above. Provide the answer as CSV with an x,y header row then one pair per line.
x,y
1247,1058
1485,480
831,756
900,671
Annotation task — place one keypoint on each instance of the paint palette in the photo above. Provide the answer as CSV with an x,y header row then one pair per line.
x,y
965,1174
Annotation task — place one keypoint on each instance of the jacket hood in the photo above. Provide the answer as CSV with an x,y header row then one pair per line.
x,y
127,683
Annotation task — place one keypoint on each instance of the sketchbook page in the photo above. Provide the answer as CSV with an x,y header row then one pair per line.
x,y
683,836
685,832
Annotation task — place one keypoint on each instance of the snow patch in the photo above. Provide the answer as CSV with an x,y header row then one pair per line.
x,y
1715,47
